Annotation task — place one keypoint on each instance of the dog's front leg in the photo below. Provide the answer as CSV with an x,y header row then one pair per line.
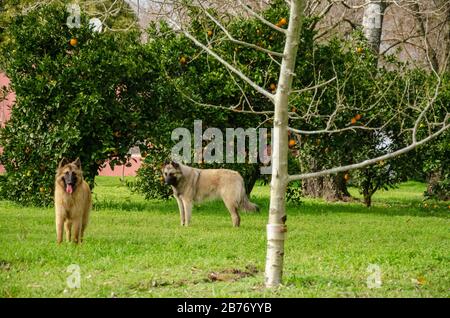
x,y
187,211
181,208
77,223
59,221
68,227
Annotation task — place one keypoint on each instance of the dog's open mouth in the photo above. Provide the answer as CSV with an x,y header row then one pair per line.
x,y
69,188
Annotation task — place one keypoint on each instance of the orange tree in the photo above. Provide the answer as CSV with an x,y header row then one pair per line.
x,y
436,166
199,89
203,90
78,94
200,80
435,156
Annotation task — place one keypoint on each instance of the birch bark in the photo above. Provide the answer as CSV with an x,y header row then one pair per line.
x,y
276,228
373,23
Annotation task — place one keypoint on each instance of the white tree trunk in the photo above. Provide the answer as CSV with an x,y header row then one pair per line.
x,y
373,23
276,228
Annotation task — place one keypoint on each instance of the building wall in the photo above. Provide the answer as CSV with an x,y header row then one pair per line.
x,y
119,171
5,105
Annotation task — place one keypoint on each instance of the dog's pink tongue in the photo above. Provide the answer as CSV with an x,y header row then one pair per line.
x,y
69,189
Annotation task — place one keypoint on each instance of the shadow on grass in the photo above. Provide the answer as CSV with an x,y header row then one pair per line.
x,y
311,281
307,206
133,206
414,208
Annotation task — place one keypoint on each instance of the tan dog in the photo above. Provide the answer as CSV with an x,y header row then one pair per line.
x,y
72,201
196,185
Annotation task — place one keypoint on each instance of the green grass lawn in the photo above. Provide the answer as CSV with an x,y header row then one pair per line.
x,y
136,248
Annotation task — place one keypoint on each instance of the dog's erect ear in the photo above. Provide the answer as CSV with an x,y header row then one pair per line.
x,y
175,165
77,163
63,162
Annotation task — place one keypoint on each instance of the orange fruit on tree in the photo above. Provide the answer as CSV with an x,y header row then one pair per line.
x,y
358,116
210,33
353,121
291,143
73,41
346,177
359,50
182,60
273,86
282,21
41,189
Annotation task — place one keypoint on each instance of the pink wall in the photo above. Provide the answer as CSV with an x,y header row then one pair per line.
x,y
5,113
118,170
5,105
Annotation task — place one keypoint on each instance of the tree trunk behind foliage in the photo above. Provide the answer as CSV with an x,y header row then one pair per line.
x,y
335,188
373,28
330,188
433,180
367,199
373,23
422,26
276,229
312,187
251,179
89,174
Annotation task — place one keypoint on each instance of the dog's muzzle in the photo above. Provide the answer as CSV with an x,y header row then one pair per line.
x,y
70,181
170,180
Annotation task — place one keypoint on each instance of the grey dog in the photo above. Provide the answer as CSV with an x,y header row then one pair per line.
x,y
196,185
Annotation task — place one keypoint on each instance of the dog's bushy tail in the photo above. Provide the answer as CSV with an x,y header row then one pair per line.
x,y
247,205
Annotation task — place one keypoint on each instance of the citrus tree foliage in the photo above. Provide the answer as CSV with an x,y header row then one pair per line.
x,y
204,88
429,162
435,156
115,14
437,168
201,89
374,97
78,94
